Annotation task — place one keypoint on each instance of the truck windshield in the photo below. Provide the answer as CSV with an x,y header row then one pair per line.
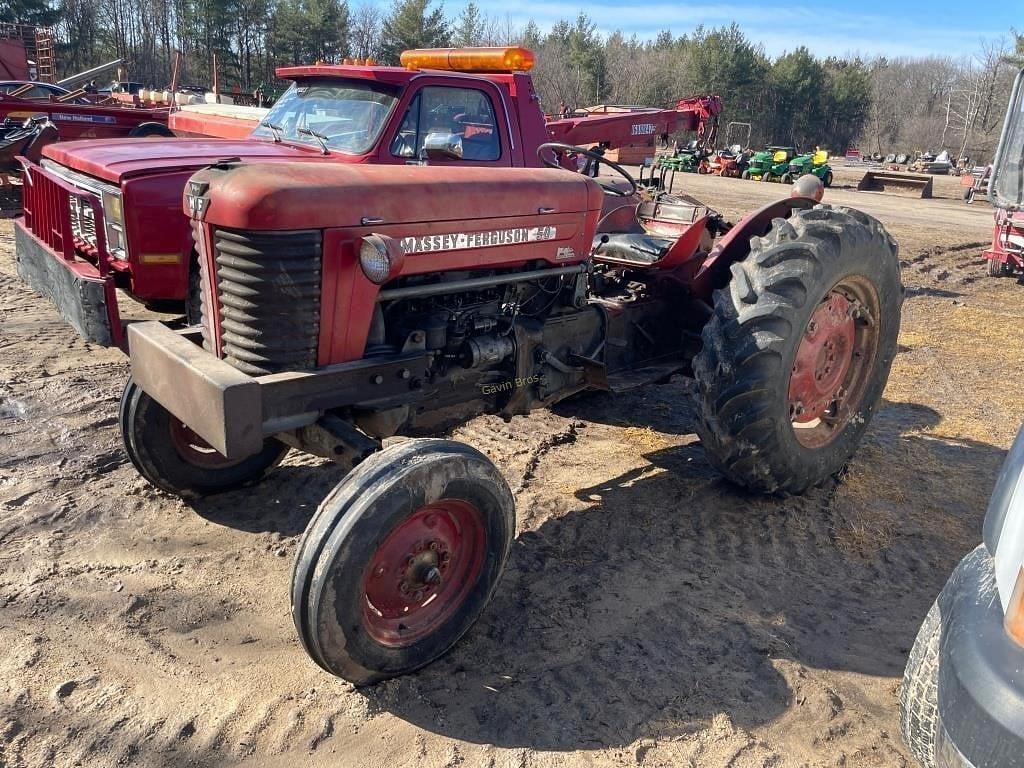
x,y
348,114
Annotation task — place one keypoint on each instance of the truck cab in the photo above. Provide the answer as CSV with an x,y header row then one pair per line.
x,y
102,215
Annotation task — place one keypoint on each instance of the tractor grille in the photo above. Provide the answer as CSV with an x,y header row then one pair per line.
x,y
268,290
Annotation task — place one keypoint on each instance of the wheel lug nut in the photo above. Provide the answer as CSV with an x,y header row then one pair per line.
x,y
433,546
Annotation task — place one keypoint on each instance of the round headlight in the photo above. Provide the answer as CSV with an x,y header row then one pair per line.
x,y
374,259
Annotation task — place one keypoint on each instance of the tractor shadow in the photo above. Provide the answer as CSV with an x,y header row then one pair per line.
x,y
671,596
283,503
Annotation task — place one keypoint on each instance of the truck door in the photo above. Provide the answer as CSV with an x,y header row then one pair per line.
x,y
474,114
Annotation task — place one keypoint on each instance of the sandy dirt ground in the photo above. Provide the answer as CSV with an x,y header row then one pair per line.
x,y
651,614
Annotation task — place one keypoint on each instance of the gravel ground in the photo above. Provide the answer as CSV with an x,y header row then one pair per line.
x,y
651,613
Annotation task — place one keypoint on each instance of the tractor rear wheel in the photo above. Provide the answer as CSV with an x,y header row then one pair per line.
x,y
798,350
787,178
401,559
175,459
766,176
827,181
746,174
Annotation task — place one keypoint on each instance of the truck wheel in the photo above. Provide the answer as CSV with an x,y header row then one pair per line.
x,y
175,459
919,694
400,559
144,130
798,350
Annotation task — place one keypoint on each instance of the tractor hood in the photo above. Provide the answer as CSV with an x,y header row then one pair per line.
x,y
115,159
290,196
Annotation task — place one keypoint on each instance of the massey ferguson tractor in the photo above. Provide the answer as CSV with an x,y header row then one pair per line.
x,y
103,215
345,305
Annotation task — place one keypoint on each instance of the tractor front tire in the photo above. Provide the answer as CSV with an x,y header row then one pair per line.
x,y
766,176
174,459
997,268
401,559
745,175
798,350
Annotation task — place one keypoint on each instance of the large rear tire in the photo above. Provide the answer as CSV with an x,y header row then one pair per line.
x,y
798,350
173,458
401,559
919,693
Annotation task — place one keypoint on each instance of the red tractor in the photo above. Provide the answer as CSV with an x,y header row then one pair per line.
x,y
1006,254
345,305
102,215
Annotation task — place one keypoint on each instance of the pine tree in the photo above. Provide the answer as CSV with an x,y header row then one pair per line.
x,y
412,25
469,26
38,12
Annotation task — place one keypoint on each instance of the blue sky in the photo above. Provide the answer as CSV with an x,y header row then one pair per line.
x,y
896,28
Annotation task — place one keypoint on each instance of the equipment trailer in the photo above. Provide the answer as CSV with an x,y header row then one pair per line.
x,y
346,304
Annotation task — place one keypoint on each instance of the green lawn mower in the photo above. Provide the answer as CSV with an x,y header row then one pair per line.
x,y
816,163
689,159
769,164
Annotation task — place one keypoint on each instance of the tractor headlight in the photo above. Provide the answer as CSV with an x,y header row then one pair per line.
x,y
380,257
113,218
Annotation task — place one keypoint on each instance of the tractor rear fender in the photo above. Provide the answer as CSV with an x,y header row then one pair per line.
x,y
734,245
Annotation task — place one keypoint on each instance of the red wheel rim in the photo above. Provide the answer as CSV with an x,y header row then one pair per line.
x,y
834,361
193,449
423,572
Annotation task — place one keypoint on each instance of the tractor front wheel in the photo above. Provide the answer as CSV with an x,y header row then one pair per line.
x,y
746,174
787,178
766,176
175,459
400,559
997,268
798,350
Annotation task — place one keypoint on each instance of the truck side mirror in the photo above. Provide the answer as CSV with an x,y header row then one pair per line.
x,y
1006,188
440,145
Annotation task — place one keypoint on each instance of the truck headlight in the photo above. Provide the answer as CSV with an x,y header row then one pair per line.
x,y
381,258
113,218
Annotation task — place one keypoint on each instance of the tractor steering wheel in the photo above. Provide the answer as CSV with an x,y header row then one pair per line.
x,y
557,147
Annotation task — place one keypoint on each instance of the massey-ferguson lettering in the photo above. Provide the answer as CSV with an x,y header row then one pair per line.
x,y
101,215
343,305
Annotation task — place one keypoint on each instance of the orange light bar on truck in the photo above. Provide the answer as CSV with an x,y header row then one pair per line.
x,y
512,59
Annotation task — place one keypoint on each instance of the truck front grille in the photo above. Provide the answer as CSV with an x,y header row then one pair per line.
x,y
268,291
83,222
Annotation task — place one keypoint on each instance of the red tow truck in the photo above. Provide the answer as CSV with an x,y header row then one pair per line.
x,y
102,215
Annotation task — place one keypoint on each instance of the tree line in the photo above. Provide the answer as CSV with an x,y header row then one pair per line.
x,y
880,104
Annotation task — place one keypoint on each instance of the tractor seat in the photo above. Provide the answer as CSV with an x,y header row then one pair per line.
x,y
643,250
